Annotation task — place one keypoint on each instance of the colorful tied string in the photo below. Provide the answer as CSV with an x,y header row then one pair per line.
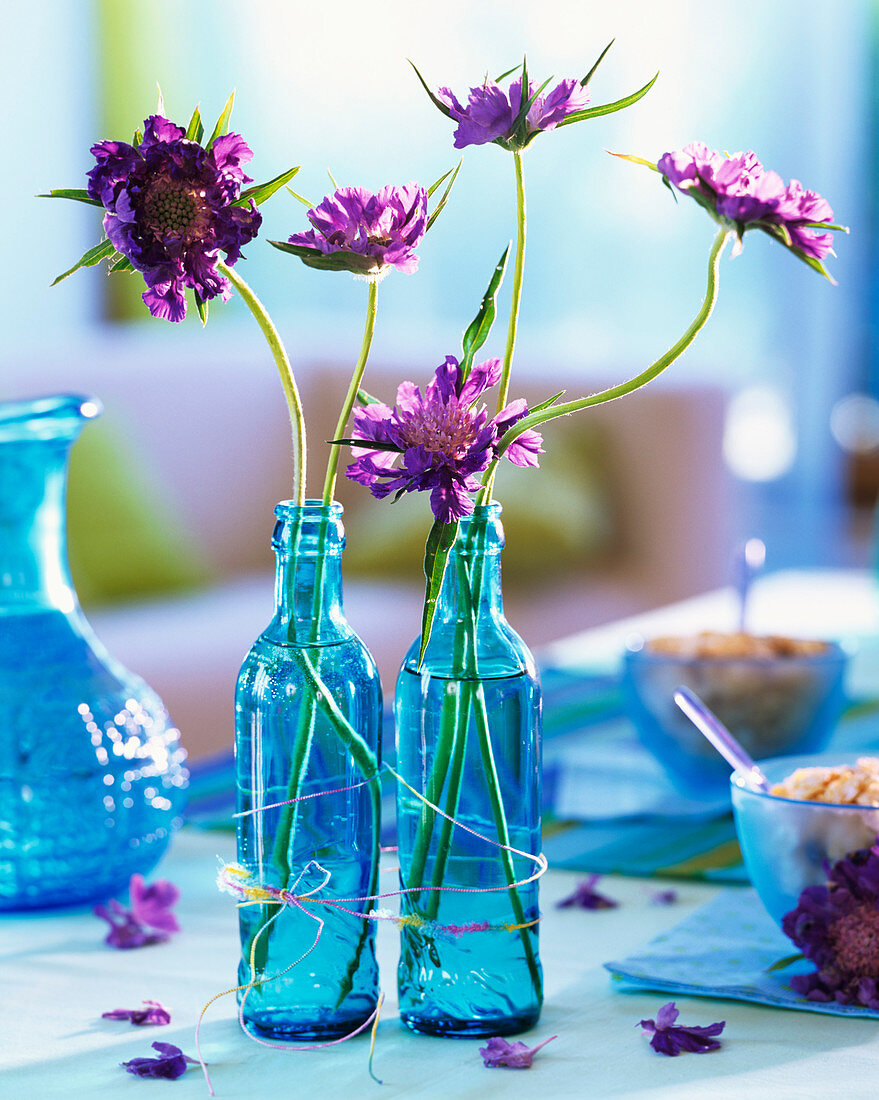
x,y
244,885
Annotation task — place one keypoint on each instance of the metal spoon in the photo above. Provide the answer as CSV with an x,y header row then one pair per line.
x,y
748,560
720,737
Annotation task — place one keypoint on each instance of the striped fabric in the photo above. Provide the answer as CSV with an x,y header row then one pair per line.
x,y
607,805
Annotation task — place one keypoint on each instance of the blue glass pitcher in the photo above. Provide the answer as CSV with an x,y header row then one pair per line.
x,y
92,779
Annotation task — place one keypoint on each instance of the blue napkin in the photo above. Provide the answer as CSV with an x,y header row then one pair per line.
x,y
724,950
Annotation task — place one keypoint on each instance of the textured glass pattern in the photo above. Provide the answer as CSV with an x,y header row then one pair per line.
x,y
287,747
92,781
468,738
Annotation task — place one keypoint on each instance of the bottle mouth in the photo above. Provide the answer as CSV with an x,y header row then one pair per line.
x,y
51,417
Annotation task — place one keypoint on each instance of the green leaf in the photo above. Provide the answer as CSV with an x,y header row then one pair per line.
x,y
195,129
504,76
301,198
436,183
367,444
263,191
546,404
810,261
634,160
137,139
332,180
609,108
438,103
201,306
784,963
340,260
438,209
824,225
78,194
436,553
89,259
222,126
118,262
479,328
364,398
591,72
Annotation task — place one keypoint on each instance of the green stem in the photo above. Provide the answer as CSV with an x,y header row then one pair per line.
x,y
503,835
724,235
351,396
518,271
504,385
288,380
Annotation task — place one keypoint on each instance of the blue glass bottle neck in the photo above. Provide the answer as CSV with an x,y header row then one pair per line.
x,y
308,544
33,543
472,581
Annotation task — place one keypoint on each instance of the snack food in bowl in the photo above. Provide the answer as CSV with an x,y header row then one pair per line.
x,y
775,694
788,833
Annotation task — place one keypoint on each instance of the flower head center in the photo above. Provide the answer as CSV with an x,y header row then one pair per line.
x,y
855,941
174,208
448,429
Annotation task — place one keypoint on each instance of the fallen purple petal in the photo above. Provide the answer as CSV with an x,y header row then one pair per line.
x,y
585,896
154,1013
151,905
498,1052
148,921
170,1063
672,1039
664,897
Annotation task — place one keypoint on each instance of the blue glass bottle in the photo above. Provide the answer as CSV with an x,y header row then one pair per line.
x,y
92,781
308,721
468,739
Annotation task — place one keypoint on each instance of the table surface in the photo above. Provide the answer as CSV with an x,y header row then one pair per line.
x,y
57,978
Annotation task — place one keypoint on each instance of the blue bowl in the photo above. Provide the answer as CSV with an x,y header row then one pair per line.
x,y
785,842
773,706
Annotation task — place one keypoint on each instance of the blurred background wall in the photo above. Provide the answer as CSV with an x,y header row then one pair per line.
x,y
615,268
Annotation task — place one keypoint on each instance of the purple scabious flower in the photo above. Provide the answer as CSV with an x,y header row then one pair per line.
x,y
355,230
171,210
170,1063
836,926
673,1039
492,115
740,190
442,439
498,1052
154,1013
585,896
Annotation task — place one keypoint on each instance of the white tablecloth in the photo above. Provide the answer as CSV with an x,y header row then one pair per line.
x,y
57,978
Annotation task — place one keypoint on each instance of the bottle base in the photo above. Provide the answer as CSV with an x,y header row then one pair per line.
x,y
448,1027
286,1028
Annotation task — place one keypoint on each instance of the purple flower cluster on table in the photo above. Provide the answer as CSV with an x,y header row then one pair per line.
x,y
154,1013
739,189
171,210
366,233
169,1063
442,438
836,926
585,896
491,113
498,1052
148,921
672,1039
